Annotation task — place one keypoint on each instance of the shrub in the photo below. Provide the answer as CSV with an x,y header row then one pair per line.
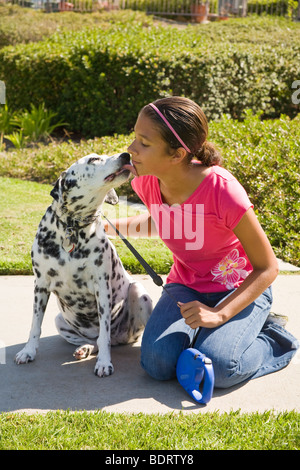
x,y
28,126
264,156
97,80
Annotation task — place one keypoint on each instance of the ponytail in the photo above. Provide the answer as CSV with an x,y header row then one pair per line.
x,y
208,155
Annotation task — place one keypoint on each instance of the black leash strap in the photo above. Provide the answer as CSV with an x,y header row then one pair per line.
x,y
155,277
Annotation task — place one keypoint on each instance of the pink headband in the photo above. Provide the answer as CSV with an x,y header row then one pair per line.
x,y
170,127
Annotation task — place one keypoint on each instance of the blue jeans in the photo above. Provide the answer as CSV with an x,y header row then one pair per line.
x,y
245,347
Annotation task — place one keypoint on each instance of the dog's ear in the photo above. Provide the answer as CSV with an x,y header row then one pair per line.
x,y
111,197
56,192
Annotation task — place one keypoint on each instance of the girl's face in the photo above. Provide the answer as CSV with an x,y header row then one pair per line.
x,y
149,151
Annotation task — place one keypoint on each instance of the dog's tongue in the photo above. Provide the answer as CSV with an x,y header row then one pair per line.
x,y
130,168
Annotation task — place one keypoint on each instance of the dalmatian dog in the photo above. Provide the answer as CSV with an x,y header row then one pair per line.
x,y
100,304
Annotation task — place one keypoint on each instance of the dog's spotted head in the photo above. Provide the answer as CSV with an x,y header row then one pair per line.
x,y
88,182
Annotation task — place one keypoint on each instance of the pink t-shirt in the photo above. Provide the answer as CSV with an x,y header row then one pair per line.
x,y
207,255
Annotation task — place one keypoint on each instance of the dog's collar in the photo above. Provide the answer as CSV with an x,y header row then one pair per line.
x,y
71,226
70,241
71,221
79,222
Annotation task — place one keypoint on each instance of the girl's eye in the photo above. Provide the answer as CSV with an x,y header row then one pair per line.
x,y
144,145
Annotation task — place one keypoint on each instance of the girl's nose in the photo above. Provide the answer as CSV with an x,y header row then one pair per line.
x,y
131,149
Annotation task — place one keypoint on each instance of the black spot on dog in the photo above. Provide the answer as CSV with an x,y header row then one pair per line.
x,y
101,310
41,290
74,199
80,283
71,183
79,207
70,301
98,262
52,249
37,272
52,272
93,159
82,235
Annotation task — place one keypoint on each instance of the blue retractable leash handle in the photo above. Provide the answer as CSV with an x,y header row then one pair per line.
x,y
192,367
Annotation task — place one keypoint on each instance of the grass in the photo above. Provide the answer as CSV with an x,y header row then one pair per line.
x,y
104,431
23,204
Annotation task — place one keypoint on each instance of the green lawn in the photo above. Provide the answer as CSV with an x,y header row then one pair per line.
x,y
101,430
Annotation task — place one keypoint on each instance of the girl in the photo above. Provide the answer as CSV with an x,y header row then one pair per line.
x,y
223,262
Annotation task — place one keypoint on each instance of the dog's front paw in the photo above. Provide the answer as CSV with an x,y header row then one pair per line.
x,y
83,351
25,355
103,370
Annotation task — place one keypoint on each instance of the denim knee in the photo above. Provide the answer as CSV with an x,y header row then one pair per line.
x,y
158,365
226,373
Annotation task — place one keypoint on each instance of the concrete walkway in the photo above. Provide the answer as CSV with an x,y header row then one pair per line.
x,y
55,381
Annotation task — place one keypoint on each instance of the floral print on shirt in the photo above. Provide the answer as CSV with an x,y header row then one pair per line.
x,y
230,269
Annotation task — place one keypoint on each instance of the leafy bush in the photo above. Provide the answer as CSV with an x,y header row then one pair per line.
x,y
27,126
263,155
97,80
5,123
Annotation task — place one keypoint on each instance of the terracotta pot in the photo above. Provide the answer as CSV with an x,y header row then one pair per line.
x,y
200,13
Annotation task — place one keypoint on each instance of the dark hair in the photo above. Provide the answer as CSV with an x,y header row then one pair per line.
x,y
190,123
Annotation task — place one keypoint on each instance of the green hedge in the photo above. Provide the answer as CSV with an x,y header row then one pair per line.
x,y
98,79
264,157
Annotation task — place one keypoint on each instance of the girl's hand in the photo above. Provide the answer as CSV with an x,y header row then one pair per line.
x,y
198,315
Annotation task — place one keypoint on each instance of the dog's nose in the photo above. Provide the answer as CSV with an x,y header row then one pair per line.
x,y
125,158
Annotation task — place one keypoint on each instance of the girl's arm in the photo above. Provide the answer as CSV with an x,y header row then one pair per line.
x,y
265,270
136,226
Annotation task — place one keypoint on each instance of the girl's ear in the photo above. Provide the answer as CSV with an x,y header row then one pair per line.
x,y
179,155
